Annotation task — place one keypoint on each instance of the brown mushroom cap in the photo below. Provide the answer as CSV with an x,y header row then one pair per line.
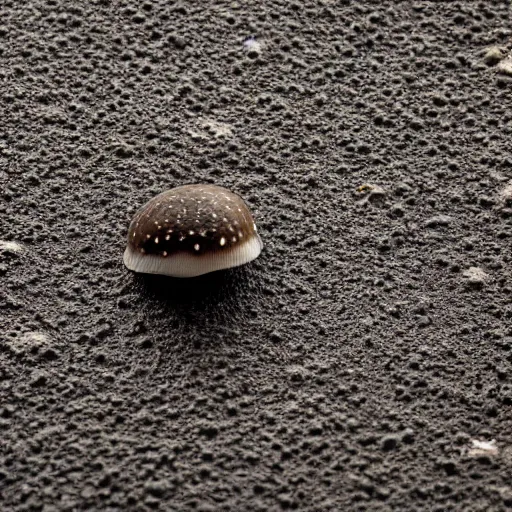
x,y
192,230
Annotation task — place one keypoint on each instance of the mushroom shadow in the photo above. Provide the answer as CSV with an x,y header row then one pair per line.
x,y
190,321
220,297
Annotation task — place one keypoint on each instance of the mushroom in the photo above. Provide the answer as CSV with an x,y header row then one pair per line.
x,y
192,230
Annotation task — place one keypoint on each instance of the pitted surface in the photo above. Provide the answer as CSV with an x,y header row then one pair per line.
x,y
362,362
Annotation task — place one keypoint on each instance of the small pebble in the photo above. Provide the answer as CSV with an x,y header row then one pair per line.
x,y
475,277
439,220
371,192
252,47
493,55
424,321
11,248
506,195
505,66
483,448
29,342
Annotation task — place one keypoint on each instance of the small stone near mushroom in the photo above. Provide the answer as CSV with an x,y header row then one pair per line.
x,y
30,342
10,248
252,46
438,220
483,448
371,192
493,55
506,195
475,277
505,66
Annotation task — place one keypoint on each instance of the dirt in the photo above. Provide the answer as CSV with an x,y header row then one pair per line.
x,y
362,362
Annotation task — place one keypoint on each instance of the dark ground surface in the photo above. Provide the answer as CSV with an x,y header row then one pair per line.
x,y
352,366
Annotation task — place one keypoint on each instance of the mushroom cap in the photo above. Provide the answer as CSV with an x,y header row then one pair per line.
x,y
192,230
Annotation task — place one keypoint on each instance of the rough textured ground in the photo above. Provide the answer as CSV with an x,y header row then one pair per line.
x,y
356,363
